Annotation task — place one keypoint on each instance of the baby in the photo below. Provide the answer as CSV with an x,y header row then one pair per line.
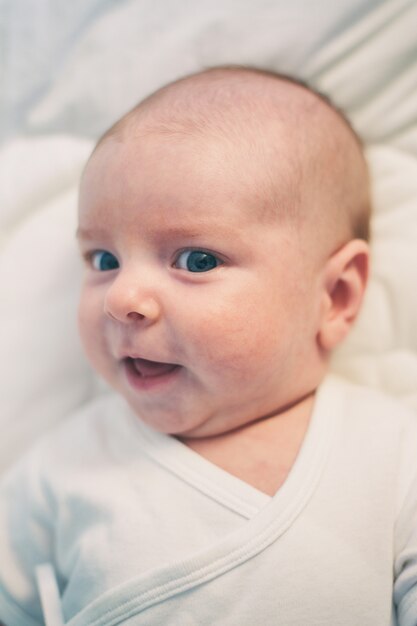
x,y
230,480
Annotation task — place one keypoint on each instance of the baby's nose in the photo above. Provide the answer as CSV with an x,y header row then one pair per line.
x,y
128,300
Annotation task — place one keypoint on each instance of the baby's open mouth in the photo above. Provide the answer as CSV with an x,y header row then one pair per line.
x,y
149,369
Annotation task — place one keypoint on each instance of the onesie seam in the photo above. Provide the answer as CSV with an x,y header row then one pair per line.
x,y
205,487
201,483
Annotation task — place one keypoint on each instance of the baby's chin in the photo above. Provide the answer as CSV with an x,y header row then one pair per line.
x,y
167,421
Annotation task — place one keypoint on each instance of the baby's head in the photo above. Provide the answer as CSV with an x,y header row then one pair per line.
x,y
224,224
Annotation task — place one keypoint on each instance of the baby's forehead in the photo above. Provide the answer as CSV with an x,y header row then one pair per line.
x,y
222,165
173,169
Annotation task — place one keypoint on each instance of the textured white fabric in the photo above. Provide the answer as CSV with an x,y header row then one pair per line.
x,y
143,531
70,69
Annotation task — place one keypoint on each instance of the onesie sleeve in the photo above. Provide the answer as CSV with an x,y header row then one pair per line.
x,y
26,541
405,570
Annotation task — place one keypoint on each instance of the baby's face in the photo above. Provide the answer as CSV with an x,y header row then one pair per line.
x,y
201,314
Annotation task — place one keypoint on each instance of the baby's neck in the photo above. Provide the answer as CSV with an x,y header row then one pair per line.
x,y
262,452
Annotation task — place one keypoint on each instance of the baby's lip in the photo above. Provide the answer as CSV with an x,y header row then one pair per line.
x,y
147,368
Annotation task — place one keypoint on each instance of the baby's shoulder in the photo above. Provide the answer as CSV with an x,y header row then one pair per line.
x,y
371,407
89,428
377,425
94,435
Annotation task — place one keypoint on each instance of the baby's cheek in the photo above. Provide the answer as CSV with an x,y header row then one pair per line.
x,y
84,321
229,334
90,325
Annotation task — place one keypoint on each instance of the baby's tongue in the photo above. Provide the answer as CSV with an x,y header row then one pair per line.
x,y
152,368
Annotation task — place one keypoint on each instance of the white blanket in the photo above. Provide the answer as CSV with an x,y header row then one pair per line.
x,y
72,68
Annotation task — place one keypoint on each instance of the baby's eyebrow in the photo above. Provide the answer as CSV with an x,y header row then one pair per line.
x,y
174,231
87,233
197,231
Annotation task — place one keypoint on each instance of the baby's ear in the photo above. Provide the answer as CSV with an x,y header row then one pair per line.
x,y
344,281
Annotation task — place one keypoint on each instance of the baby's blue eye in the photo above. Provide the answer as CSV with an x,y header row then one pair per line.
x,y
197,261
104,261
